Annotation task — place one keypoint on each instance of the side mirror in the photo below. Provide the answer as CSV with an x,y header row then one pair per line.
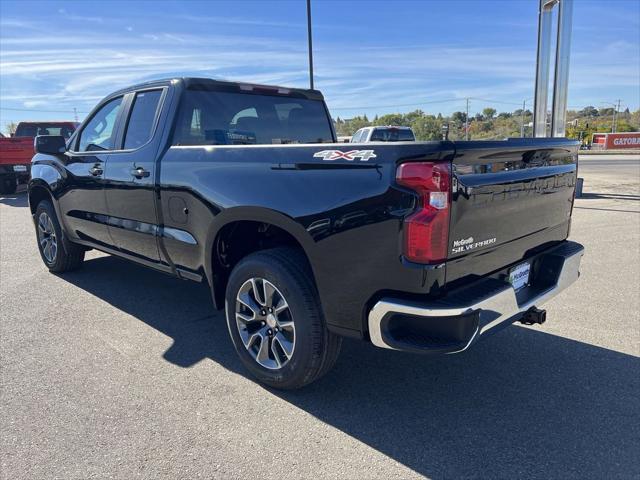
x,y
51,144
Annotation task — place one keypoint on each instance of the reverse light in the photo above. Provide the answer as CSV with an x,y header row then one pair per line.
x,y
426,231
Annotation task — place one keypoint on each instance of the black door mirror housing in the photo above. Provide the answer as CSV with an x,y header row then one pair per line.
x,y
51,144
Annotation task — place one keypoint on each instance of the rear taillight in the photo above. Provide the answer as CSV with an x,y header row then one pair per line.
x,y
426,231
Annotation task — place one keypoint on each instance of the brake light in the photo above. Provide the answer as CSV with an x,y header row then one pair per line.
x,y
426,231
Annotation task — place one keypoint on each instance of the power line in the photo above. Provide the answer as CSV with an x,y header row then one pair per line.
x,y
400,105
488,100
496,101
71,110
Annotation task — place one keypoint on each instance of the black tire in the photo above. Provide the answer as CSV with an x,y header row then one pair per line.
x,y
8,184
315,349
67,256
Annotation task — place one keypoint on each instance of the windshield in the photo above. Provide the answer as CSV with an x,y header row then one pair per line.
x,y
35,129
225,118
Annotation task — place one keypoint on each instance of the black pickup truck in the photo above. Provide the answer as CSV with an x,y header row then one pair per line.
x,y
413,246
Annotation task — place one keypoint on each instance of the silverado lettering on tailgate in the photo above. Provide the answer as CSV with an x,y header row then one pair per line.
x,y
466,244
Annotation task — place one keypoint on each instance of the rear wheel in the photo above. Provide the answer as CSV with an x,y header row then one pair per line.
x,y
57,255
8,184
275,320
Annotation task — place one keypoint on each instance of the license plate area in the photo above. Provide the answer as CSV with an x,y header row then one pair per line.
x,y
19,168
519,276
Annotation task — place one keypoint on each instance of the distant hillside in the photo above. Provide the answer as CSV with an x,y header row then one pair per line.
x,y
492,125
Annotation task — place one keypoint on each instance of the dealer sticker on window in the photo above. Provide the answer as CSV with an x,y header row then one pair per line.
x,y
519,276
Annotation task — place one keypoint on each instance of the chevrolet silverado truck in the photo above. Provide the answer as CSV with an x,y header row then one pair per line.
x,y
16,151
421,247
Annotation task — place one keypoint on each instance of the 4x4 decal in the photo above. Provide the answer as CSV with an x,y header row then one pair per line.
x,y
351,155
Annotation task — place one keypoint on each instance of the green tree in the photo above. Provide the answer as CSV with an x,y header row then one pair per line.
x,y
390,119
427,128
489,112
412,116
459,117
589,111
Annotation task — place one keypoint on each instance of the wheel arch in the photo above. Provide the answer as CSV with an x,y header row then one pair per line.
x,y
38,191
241,231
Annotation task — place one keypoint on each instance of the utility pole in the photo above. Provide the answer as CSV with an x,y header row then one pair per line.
x,y
616,117
613,119
524,103
466,123
310,44
75,114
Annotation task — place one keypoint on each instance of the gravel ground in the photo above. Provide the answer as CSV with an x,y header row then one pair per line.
x,y
115,371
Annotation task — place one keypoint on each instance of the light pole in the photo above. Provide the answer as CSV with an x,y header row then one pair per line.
x,y
466,123
561,73
613,114
310,44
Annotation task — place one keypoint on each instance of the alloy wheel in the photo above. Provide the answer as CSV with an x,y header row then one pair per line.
x,y
265,323
47,237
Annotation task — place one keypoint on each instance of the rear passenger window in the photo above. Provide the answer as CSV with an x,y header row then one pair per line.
x,y
209,117
141,119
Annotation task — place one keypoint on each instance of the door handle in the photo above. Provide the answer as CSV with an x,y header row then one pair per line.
x,y
140,172
96,171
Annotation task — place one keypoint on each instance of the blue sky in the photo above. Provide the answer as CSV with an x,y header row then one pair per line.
x,y
371,57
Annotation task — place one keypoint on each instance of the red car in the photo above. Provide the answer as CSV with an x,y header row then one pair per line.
x,y
16,151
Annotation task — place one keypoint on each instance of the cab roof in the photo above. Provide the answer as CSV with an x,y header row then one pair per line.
x,y
202,83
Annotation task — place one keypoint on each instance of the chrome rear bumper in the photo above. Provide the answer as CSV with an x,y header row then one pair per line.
x,y
453,323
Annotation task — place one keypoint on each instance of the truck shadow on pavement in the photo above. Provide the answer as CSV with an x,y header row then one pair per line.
x,y
609,196
519,404
18,199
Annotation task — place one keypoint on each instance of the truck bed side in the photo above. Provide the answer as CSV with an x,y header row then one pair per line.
x,y
347,214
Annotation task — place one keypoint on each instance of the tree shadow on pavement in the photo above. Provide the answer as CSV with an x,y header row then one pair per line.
x,y
521,403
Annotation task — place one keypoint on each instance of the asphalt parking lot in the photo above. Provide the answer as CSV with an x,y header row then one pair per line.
x,y
118,371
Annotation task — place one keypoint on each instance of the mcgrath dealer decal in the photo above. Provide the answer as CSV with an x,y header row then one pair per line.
x,y
466,244
351,155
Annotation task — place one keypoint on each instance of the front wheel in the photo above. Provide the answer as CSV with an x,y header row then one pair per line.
x,y
57,255
275,320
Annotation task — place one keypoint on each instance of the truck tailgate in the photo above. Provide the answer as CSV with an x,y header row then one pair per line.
x,y
510,199
16,151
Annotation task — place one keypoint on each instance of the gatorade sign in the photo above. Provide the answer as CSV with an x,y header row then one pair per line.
x,y
617,141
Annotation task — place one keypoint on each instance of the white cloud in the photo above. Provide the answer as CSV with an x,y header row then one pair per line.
x,y
80,69
79,18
